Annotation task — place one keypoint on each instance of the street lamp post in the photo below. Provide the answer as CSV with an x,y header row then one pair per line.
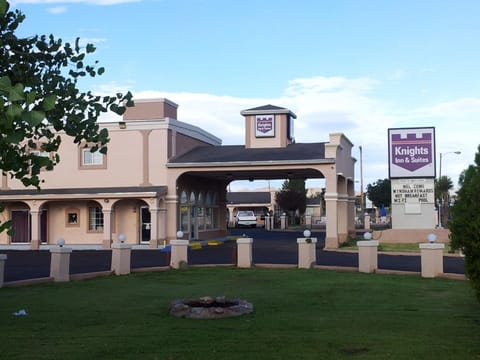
x,y
362,205
440,219
441,157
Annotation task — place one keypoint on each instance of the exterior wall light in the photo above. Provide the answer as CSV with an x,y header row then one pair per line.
x,y
61,242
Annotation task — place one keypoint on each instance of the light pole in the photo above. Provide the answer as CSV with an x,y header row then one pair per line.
x,y
361,182
440,208
441,157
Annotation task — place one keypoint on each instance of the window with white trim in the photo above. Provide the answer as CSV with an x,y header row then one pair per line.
x,y
91,158
95,219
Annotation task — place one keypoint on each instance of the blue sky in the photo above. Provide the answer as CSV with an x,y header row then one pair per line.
x,y
352,66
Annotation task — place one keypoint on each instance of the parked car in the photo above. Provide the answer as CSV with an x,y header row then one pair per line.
x,y
246,218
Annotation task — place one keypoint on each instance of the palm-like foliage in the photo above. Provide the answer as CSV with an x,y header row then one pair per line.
x,y
442,193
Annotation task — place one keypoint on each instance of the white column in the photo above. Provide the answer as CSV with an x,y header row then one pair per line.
x,y
154,228
179,253
244,252
432,259
107,228
366,222
60,263
121,254
35,219
307,255
367,256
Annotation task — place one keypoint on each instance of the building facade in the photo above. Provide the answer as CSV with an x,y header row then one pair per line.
x,y
161,175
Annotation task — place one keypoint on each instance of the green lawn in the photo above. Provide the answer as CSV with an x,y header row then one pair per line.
x,y
393,247
298,314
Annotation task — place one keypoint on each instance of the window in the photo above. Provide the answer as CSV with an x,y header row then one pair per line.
x,y
42,156
72,217
41,153
183,212
91,158
95,219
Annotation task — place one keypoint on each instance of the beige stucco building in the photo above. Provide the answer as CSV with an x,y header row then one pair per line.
x,y
162,175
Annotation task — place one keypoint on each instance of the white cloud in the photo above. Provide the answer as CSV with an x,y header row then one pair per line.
x,y
57,10
324,105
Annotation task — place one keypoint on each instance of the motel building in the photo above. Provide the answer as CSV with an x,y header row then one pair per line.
x,y
162,175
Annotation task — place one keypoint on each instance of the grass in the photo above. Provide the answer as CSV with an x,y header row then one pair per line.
x,y
351,244
298,314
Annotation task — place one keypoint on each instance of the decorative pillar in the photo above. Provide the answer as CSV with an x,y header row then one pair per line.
x,y
60,263
244,252
367,256
121,253
162,235
154,227
283,221
35,226
3,259
267,222
171,204
107,228
366,222
307,255
308,221
331,236
432,259
179,253
342,219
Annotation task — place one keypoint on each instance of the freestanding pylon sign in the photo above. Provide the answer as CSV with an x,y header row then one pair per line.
x,y
412,174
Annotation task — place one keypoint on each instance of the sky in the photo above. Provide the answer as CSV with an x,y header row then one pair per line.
x,y
358,67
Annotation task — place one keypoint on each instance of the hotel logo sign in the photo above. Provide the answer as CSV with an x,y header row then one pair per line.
x,y
411,152
265,125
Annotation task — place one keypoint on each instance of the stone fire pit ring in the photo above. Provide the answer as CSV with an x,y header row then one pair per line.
x,y
209,307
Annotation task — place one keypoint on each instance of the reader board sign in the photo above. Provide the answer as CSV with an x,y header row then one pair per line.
x,y
413,191
265,125
411,152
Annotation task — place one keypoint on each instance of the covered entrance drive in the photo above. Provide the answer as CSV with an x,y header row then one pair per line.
x,y
204,174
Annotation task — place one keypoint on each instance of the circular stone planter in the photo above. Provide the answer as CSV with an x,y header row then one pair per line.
x,y
209,308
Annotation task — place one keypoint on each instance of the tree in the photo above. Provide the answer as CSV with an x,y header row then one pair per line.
x,y
380,192
40,96
292,197
320,198
442,194
465,223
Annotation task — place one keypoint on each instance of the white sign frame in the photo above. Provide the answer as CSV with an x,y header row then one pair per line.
x,y
411,153
264,126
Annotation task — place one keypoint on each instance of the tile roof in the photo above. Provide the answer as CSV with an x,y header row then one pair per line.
x,y
266,107
238,153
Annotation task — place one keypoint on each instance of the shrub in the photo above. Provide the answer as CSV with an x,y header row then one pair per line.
x,y
465,223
